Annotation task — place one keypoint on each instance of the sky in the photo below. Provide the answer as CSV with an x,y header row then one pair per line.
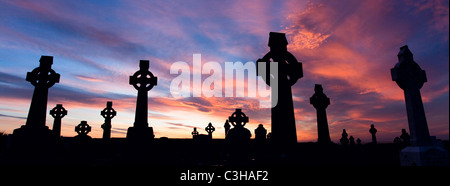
x,y
347,46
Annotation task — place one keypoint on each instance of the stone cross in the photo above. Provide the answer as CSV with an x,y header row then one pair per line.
x,y
373,131
195,132
238,118
57,112
320,102
289,71
42,78
83,128
210,129
143,81
108,113
238,138
410,77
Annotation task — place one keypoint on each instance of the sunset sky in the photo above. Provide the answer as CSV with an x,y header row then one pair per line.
x,y
348,46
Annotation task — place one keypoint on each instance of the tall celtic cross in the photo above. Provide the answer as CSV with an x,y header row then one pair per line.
x,y
320,102
288,72
42,78
410,77
143,81
57,112
108,113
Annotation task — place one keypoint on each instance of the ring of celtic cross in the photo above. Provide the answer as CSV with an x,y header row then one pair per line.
x,y
238,118
58,112
144,80
50,80
290,63
108,113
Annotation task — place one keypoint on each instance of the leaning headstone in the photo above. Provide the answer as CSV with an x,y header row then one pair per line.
x,y
410,77
143,81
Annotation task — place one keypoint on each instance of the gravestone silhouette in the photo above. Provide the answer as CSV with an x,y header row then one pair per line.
x,y
351,141
34,133
210,129
320,102
238,138
82,130
358,142
373,131
57,112
227,127
344,139
108,113
194,133
410,77
260,145
289,71
405,138
260,134
143,81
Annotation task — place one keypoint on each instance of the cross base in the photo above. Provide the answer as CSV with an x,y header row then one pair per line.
x,y
424,156
33,133
140,134
34,143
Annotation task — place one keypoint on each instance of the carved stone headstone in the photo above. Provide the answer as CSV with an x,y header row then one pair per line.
x,y
410,77
320,102
210,129
35,133
289,71
143,81
82,130
238,137
108,113
57,112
